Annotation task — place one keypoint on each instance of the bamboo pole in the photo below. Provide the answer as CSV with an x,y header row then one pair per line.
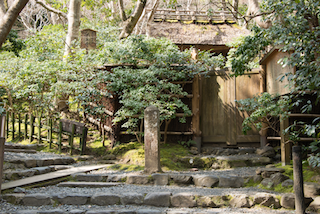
x,y
19,127
25,126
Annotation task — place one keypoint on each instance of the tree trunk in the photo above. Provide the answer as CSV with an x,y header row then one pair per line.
x,y
253,8
121,11
150,17
3,9
133,19
73,26
8,19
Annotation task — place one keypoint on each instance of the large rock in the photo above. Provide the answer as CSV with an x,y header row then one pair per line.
x,y
266,151
88,177
288,201
267,200
182,179
205,180
267,182
138,179
116,178
287,183
311,189
102,199
183,200
231,182
29,163
160,179
36,200
267,172
13,198
132,198
315,205
205,201
74,199
158,199
241,201
278,178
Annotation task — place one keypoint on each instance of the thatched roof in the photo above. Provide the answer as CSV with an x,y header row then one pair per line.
x,y
179,33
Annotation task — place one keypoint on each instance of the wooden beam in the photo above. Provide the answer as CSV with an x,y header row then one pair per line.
x,y
285,143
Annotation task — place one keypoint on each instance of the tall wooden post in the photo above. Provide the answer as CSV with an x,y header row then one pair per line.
x,y
19,127
60,137
285,144
25,126
298,180
7,124
13,121
39,129
50,132
264,130
196,112
2,141
31,128
152,139
72,138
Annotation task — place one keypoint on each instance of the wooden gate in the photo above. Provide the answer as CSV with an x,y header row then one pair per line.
x,y
220,118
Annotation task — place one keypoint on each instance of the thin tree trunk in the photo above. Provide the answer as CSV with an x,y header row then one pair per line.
x,y
8,19
121,11
133,19
73,25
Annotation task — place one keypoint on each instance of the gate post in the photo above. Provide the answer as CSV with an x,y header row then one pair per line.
x,y
152,139
2,141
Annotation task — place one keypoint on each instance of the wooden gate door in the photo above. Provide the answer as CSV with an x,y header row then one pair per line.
x,y
220,118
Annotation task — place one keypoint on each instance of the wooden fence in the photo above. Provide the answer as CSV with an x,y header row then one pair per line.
x,y
24,128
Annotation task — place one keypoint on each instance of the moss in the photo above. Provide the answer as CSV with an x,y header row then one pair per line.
x,y
170,155
251,183
150,179
124,179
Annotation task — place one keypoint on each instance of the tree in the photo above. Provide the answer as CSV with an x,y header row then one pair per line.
x,y
9,17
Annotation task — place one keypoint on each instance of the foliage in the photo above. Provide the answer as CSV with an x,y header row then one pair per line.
x,y
12,43
295,30
187,144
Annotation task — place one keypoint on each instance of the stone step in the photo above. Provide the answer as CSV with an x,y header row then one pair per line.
x,y
87,184
21,146
39,162
21,150
156,199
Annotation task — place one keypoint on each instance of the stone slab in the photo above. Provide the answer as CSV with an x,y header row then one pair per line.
x,y
49,176
21,151
87,184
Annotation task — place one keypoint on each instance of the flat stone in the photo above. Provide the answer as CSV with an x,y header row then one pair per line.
x,y
116,178
77,212
26,212
311,189
36,200
13,198
158,199
178,212
132,198
87,184
231,182
287,201
138,179
278,178
61,167
55,211
266,151
29,163
205,181
257,178
183,200
148,211
260,197
88,177
241,201
21,146
160,179
260,161
205,201
43,170
126,212
26,173
182,179
271,202
103,199
74,199
21,151
101,212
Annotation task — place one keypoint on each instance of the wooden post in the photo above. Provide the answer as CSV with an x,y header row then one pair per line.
x,y
25,126
2,141
196,112
84,140
298,180
50,133
7,124
19,127
285,144
60,136
264,130
31,128
39,129
13,120
72,137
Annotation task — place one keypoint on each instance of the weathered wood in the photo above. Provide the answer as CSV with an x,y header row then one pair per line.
x,y
2,125
2,141
25,126
71,138
7,124
50,132
196,111
67,126
298,180
264,130
285,144
51,175
13,120
60,137
32,118
39,129
83,141
19,125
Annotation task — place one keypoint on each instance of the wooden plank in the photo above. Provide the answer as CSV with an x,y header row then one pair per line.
x,y
304,115
67,126
284,143
51,175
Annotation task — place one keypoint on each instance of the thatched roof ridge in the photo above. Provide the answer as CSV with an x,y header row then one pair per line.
x,y
180,33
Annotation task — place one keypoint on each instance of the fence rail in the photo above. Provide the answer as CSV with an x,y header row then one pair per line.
x,y
60,127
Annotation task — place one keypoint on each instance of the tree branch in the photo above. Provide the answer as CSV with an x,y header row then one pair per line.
x,y
51,9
